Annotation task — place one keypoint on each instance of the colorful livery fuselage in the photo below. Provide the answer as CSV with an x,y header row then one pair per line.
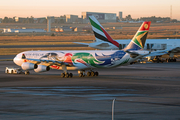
x,y
77,60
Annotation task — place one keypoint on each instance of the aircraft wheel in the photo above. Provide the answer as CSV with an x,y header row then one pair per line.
x,y
174,60
92,73
81,75
70,75
62,75
88,73
96,73
67,75
27,73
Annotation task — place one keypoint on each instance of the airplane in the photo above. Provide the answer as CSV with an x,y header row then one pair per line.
x,y
81,60
107,43
151,44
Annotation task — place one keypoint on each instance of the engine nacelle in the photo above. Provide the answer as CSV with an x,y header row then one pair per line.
x,y
28,66
42,68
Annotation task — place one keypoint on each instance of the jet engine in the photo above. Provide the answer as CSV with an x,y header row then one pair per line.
x,y
42,68
28,66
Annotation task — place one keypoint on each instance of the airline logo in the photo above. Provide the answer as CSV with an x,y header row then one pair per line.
x,y
23,56
100,33
146,26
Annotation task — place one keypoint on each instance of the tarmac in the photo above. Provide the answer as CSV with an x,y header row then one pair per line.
x,y
142,91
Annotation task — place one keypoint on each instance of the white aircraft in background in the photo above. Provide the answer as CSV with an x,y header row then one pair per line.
x,y
42,61
107,43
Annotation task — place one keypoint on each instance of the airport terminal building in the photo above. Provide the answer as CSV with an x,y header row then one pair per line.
x,y
101,17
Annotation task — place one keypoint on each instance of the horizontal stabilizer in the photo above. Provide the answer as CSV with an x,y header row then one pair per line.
x,y
132,54
81,43
158,53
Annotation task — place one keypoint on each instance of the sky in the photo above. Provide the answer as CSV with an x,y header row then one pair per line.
x,y
43,8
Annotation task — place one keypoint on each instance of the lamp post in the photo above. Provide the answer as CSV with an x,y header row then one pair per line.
x,y
113,109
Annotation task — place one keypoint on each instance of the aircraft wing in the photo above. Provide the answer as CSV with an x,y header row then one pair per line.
x,y
163,52
138,53
142,54
175,50
132,54
158,53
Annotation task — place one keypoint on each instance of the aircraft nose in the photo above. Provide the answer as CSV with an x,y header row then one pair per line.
x,y
17,61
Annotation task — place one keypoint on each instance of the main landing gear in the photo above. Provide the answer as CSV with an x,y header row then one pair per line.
x,y
80,72
92,73
171,60
66,75
89,73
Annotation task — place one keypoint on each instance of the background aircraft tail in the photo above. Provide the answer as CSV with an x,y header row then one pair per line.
x,y
100,33
139,39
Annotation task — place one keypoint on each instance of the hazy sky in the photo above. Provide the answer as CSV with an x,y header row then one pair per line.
x,y
136,8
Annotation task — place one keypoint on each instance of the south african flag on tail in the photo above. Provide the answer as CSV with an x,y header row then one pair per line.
x,y
139,39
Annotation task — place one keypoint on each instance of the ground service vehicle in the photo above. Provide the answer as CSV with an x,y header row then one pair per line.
x,y
13,70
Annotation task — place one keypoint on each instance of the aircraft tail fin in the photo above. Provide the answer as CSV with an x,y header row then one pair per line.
x,y
139,38
100,33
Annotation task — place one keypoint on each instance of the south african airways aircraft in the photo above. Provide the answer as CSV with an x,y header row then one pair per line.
x,y
105,42
42,61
